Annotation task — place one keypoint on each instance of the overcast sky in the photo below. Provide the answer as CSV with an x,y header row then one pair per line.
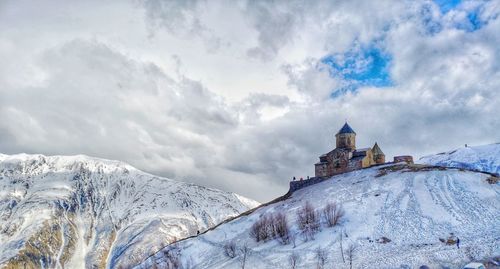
x,y
243,95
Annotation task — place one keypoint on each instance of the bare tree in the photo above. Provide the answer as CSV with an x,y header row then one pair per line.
x,y
270,226
321,258
261,230
230,249
308,220
350,253
341,248
294,259
293,239
245,252
280,228
333,213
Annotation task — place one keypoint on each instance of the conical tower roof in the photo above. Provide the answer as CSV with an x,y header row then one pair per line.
x,y
346,129
376,150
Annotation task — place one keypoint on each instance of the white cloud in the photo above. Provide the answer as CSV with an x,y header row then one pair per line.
x,y
233,94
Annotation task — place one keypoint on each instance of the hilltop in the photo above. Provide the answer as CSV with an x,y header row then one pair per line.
x,y
396,216
484,158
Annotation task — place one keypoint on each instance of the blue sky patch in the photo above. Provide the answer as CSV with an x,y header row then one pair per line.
x,y
473,21
360,66
447,5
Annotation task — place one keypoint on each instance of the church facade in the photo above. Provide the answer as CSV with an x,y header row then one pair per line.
x,y
345,157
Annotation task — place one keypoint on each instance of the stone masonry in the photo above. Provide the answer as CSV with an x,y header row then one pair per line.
x,y
345,157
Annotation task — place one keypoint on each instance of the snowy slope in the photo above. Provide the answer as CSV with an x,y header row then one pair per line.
x,y
413,206
79,212
481,158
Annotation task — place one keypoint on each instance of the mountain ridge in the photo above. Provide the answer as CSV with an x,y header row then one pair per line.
x,y
97,212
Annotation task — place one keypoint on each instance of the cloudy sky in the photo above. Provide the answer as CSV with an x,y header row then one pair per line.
x,y
243,95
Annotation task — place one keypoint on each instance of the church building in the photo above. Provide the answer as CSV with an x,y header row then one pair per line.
x,y
345,157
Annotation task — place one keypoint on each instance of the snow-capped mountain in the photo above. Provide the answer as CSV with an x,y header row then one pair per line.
x,y
82,212
396,216
481,158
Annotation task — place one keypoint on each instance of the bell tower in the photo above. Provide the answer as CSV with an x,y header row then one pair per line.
x,y
346,138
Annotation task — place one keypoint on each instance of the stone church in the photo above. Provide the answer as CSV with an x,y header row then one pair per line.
x,y
345,157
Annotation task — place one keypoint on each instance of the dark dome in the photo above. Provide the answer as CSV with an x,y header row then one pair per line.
x,y
346,129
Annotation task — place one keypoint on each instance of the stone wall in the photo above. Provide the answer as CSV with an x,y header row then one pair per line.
x,y
406,158
379,159
368,160
338,162
346,141
320,169
299,184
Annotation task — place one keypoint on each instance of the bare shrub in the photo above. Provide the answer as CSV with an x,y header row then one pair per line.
x,y
255,230
270,227
341,247
333,213
230,249
294,260
293,238
308,221
351,253
244,253
280,228
321,258
262,230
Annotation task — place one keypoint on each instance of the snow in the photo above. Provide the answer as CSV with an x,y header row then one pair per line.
x,y
413,207
102,205
484,158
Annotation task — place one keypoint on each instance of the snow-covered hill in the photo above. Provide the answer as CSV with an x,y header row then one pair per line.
x,y
481,158
82,212
395,215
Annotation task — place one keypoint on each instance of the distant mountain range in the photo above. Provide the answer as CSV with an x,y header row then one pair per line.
x,y
83,212
396,216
